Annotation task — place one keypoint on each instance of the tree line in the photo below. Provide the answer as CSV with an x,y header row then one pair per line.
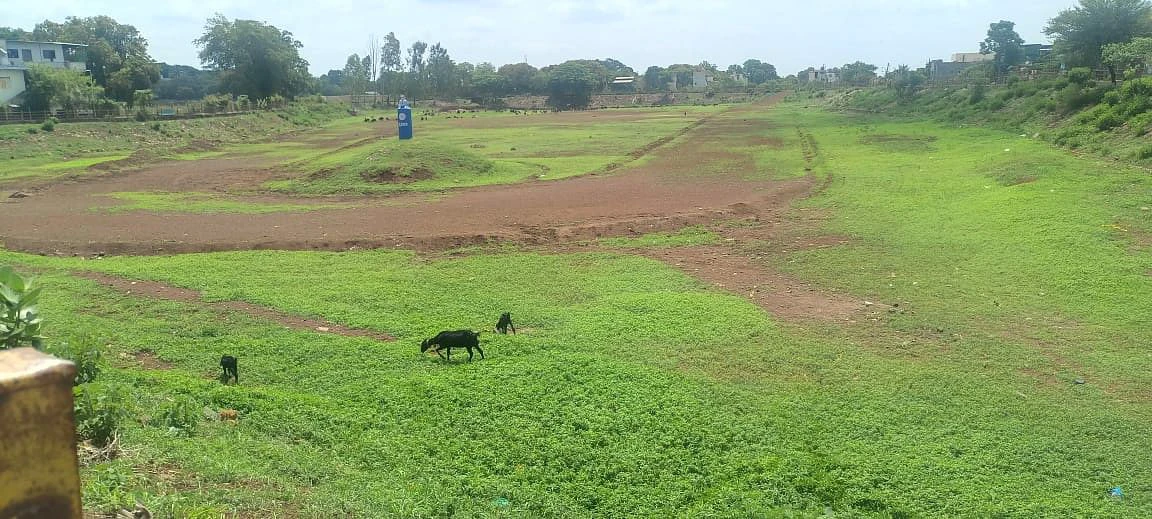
x,y
259,61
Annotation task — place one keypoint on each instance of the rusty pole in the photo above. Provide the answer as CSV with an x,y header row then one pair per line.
x,y
39,472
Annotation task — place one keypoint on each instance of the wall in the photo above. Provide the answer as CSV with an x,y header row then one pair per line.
x,y
11,83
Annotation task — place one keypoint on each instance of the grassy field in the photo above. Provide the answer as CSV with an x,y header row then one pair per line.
x,y
634,390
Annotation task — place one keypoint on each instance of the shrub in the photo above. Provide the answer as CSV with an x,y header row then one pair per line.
x,y
84,352
977,93
1144,153
32,130
1080,76
180,415
1109,120
49,124
156,126
99,409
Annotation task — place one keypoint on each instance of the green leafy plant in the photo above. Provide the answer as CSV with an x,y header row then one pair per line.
x,y
49,124
180,415
20,321
99,410
84,351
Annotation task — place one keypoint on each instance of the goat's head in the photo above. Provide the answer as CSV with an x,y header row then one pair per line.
x,y
425,345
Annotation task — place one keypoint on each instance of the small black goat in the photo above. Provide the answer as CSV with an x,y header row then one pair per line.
x,y
504,323
228,363
466,339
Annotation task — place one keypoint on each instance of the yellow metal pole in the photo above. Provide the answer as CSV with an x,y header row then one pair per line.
x,y
39,472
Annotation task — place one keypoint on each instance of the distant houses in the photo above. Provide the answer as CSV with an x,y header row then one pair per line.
x,y
827,76
940,70
17,55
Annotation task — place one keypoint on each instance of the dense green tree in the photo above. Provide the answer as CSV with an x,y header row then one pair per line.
x,y
655,79
14,33
134,75
572,83
254,59
1081,32
758,72
858,73
487,84
48,87
355,75
331,83
441,71
518,77
1127,56
1005,43
391,65
182,82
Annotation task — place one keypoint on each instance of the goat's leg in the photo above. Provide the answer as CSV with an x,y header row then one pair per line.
x,y
449,353
438,354
513,327
469,348
481,352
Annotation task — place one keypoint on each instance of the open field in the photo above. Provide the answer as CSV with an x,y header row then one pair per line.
x,y
762,310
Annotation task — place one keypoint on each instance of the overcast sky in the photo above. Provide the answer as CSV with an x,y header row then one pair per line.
x,y
792,35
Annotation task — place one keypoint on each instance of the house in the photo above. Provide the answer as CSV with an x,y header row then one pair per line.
x,y
972,57
822,75
17,55
1034,52
701,78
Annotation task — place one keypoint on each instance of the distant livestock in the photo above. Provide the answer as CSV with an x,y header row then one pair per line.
x,y
445,341
504,323
228,364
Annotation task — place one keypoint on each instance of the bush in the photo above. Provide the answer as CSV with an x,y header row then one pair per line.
x,y
142,115
99,410
180,415
1080,76
84,352
156,126
32,130
1144,153
977,93
1109,120
49,124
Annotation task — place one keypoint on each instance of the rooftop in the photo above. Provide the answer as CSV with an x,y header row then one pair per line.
x,y
47,42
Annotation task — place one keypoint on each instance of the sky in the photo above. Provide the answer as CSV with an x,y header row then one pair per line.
x,y
793,35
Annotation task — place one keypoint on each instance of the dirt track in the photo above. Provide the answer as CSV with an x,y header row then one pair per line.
x,y
663,194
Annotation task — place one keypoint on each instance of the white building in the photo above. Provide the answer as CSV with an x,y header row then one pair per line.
x,y
17,55
701,78
972,57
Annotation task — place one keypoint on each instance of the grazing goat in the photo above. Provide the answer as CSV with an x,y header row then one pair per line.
x,y
466,339
228,363
504,323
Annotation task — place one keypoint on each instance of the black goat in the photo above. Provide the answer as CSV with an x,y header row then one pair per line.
x,y
504,323
466,339
228,363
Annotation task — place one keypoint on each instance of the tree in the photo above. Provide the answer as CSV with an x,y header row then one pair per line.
x,y
572,83
183,82
858,74
391,64
417,69
330,84
1126,56
134,75
14,33
1081,33
441,71
759,72
112,47
253,58
906,82
518,77
48,87
1005,43
355,77
655,79
487,84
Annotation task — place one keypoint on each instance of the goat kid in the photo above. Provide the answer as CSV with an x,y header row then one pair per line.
x,y
228,364
504,323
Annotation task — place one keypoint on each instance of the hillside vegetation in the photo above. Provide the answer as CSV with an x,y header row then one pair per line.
x,y
1074,111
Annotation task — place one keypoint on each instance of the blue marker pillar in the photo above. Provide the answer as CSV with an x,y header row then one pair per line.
x,y
404,118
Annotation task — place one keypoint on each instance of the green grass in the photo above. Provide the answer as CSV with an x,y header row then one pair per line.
x,y
634,390
685,237
191,202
